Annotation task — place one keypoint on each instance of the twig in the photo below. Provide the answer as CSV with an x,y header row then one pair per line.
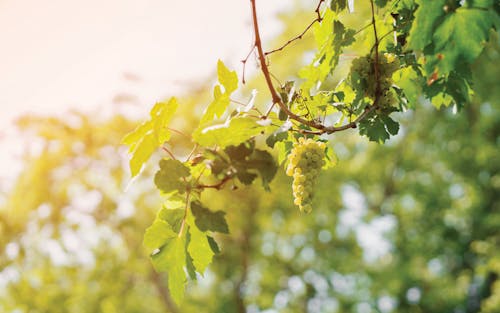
x,y
317,19
169,153
178,132
244,61
192,152
217,186
377,80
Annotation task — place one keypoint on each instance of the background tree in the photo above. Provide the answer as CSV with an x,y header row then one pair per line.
x,y
409,226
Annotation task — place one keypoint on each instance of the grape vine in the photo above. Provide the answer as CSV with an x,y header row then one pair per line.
x,y
415,49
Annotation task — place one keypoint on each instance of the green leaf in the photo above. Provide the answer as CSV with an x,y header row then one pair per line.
x,y
161,114
172,259
157,235
199,247
190,268
263,162
460,38
207,220
133,138
213,244
143,151
231,133
427,17
228,79
276,137
148,136
170,176
240,152
408,80
378,128
338,5
391,125
172,217
217,107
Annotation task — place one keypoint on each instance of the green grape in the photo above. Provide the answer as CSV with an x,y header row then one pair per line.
x,y
363,75
304,165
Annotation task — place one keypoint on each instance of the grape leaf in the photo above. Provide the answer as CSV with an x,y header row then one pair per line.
x,y
378,128
172,259
148,136
228,79
460,37
213,244
207,220
169,177
199,247
157,235
143,151
427,17
172,217
338,5
263,162
217,107
231,133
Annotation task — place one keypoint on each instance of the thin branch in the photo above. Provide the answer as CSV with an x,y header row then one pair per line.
x,y
178,132
377,80
317,19
217,186
169,153
362,28
192,152
265,70
244,61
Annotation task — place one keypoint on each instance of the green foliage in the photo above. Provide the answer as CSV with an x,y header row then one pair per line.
x,y
171,176
403,52
207,220
146,138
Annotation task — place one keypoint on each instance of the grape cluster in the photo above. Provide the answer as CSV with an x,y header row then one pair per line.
x,y
304,164
363,77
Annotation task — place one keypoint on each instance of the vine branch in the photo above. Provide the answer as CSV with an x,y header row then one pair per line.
x,y
375,46
317,19
217,186
276,99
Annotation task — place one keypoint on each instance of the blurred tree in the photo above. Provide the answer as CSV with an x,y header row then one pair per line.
x,y
411,226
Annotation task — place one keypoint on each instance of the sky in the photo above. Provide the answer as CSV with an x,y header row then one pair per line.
x,y
58,55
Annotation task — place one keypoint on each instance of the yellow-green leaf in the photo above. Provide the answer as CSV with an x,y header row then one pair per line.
x,y
157,235
228,79
143,151
172,259
199,248
232,132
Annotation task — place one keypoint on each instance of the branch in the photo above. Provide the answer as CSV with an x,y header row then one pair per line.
x,y
375,46
169,153
217,186
265,70
276,99
318,19
244,61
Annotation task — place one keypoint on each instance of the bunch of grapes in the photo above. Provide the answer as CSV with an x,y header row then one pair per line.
x,y
363,77
304,164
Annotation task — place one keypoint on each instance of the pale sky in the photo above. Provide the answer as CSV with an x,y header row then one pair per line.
x,y
61,54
